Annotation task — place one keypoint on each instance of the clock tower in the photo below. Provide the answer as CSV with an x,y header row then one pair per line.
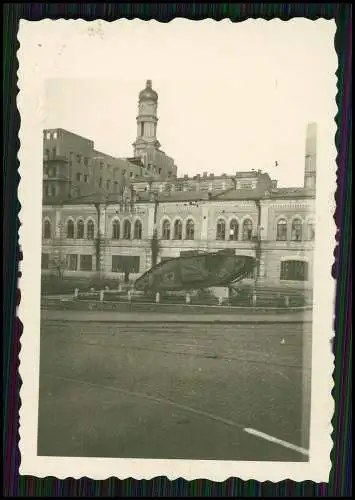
x,y
146,142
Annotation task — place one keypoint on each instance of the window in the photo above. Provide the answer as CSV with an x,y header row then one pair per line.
x,y
247,230
294,270
48,135
70,229
47,230
78,158
52,191
137,230
80,230
221,230
55,135
116,230
190,230
234,230
178,230
52,172
45,261
311,231
86,177
116,186
296,230
100,182
90,230
72,262
85,262
125,264
108,184
101,165
86,162
142,128
281,230
166,230
127,230
78,177
131,174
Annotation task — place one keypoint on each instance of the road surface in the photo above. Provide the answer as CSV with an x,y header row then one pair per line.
x,y
155,390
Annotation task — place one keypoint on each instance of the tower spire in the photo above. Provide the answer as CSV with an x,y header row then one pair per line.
x,y
147,121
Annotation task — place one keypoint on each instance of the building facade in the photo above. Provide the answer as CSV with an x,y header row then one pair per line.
x,y
148,218
113,237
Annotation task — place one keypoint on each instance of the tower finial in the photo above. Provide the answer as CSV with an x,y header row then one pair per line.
x,y
149,83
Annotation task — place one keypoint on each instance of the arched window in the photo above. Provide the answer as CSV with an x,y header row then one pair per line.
x,y
80,230
47,230
296,230
127,230
281,230
234,230
178,230
190,230
247,230
90,230
138,230
70,229
116,230
221,230
311,231
166,230
294,270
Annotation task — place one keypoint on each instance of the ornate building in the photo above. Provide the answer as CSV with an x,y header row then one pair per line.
x,y
150,218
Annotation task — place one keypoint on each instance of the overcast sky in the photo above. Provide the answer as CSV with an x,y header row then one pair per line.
x,y
232,97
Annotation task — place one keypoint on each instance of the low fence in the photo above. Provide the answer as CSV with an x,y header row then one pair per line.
x,y
157,307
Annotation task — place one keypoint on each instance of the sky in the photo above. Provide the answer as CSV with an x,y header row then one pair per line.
x,y
232,97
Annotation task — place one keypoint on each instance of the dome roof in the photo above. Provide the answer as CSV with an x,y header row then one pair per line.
x,y
148,94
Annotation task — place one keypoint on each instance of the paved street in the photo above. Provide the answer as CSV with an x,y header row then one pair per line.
x,y
176,390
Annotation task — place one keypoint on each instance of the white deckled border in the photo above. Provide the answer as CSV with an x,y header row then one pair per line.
x,y
62,55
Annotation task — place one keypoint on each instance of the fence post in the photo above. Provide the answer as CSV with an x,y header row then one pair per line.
x,y
101,295
188,298
254,299
287,301
220,300
157,297
76,293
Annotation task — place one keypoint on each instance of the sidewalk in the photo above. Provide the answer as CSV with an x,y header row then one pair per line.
x,y
147,317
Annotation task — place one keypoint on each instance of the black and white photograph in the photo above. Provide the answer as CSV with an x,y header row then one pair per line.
x,y
177,193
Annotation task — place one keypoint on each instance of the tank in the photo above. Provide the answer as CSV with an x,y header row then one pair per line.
x,y
195,271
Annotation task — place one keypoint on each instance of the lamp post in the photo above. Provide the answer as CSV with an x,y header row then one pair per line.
x,y
257,249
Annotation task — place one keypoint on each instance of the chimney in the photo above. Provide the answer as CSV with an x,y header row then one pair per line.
x,y
204,174
310,169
